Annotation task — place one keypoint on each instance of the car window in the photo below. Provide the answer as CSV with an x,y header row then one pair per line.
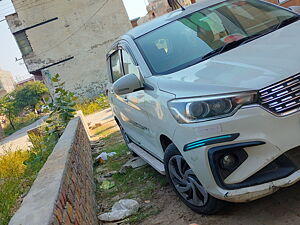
x,y
128,64
115,64
186,41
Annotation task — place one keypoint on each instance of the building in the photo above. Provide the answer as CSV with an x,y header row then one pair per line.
x,y
286,3
158,8
24,81
70,38
7,83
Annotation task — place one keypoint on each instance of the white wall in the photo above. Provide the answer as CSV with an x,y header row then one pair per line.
x,y
84,29
7,83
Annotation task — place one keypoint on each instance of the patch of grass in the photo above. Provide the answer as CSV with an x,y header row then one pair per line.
x,y
143,214
21,122
105,130
18,170
91,106
11,179
138,184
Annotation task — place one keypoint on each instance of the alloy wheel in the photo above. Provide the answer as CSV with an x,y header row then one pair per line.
x,y
186,182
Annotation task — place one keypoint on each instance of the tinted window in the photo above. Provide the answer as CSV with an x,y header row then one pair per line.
x,y
115,66
184,42
128,64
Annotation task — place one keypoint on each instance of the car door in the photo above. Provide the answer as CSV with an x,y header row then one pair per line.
x,y
118,103
135,112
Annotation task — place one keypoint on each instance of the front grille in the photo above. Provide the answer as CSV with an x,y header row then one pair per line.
x,y
282,98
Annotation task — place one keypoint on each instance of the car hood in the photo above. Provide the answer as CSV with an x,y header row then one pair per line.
x,y
252,66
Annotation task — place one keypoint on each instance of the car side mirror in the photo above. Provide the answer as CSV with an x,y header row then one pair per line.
x,y
295,9
127,84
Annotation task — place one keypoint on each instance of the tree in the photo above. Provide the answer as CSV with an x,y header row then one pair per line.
x,y
62,107
8,108
30,95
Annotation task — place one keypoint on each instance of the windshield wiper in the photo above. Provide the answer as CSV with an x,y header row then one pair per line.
x,y
244,40
286,22
226,47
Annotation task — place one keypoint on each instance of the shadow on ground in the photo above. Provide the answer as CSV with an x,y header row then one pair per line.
x,y
283,207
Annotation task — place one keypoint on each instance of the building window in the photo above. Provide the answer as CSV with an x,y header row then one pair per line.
x,y
23,43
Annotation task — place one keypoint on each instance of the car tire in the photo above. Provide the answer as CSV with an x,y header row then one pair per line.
x,y
126,139
187,186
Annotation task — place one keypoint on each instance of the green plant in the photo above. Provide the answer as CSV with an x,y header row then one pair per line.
x,y
18,170
42,147
8,108
138,183
11,178
20,122
30,95
92,106
62,108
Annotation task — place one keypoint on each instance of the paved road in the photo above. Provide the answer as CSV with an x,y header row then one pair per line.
x,y
19,139
100,117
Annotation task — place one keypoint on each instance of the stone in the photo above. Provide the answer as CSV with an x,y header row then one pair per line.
x,y
110,174
120,210
100,169
95,126
134,163
100,179
97,144
106,184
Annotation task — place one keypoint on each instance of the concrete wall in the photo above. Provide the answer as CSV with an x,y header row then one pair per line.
x,y
84,30
158,8
7,83
63,191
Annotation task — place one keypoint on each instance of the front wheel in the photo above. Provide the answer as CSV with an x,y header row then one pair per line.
x,y
186,185
126,139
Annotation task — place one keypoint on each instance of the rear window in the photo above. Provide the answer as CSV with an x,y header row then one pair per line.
x,y
184,42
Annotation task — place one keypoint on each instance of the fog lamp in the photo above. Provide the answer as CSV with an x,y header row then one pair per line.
x,y
228,161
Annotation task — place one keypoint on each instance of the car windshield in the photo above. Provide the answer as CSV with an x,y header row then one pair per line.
x,y
208,32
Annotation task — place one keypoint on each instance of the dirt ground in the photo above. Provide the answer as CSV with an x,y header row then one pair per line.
x,y
283,207
280,208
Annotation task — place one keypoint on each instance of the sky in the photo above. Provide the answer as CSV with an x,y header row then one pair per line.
x,y
9,50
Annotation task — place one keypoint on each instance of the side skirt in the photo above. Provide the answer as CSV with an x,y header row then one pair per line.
x,y
152,161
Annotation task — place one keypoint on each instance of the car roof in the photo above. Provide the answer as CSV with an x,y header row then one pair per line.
x,y
169,17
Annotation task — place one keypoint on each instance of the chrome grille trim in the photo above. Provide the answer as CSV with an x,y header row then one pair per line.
x,y
282,98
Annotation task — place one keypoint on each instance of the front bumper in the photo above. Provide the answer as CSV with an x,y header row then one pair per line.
x,y
259,191
254,124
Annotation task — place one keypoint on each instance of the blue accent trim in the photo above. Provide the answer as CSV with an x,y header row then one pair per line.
x,y
194,146
210,141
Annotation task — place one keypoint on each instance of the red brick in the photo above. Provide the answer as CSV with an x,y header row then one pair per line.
x,y
59,215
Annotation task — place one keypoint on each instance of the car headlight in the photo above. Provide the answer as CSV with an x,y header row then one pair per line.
x,y
192,110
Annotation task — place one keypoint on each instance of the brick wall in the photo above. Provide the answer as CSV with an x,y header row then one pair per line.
x,y
63,192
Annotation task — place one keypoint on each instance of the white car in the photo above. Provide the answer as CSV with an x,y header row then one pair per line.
x,y
210,96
